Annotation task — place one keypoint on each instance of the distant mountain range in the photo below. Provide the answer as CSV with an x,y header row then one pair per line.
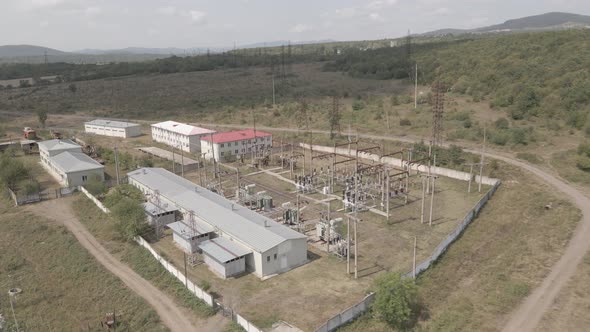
x,y
543,22
36,54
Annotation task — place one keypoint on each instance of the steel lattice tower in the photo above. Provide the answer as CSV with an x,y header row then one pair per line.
x,y
438,109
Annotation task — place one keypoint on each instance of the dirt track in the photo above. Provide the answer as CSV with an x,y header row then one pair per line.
x,y
530,312
174,317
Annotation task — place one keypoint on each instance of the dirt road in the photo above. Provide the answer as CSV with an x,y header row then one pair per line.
x,y
530,312
174,317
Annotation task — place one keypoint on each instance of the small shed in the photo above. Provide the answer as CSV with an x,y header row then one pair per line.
x,y
189,238
224,257
164,213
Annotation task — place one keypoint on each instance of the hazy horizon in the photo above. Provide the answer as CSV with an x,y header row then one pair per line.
x,y
110,24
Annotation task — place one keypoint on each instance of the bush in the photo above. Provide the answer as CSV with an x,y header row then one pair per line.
x,y
12,171
358,105
96,186
396,301
502,123
584,149
405,122
205,285
130,218
500,137
519,136
583,163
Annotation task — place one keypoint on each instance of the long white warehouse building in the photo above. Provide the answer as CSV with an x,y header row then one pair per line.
x,y
267,247
112,128
180,135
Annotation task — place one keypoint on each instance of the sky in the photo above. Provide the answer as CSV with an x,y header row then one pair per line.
x,y
110,24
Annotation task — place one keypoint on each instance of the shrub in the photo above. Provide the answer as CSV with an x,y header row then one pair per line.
x,y
358,105
405,122
396,301
583,163
205,285
502,123
96,186
500,137
519,136
584,149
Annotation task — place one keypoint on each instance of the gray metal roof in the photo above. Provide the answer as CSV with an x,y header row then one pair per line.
x,y
70,161
110,123
59,144
258,232
185,231
152,209
222,249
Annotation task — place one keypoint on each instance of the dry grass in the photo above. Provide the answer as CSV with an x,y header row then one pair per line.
x,y
64,288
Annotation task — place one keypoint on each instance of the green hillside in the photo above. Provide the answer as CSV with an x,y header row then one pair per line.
x,y
537,74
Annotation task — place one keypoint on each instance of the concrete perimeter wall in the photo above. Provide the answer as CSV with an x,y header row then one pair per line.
x,y
347,315
94,200
451,173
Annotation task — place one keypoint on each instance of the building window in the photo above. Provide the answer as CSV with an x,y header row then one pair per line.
x,y
222,153
275,257
268,258
236,143
236,151
84,178
221,144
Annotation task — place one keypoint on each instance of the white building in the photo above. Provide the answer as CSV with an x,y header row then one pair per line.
x,y
235,144
112,128
267,247
164,214
66,162
188,238
180,135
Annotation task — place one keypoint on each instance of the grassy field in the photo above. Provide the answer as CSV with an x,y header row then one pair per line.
x,y
504,254
64,288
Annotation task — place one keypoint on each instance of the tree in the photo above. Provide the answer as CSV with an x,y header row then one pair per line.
x,y
130,218
12,171
73,88
96,186
396,300
42,115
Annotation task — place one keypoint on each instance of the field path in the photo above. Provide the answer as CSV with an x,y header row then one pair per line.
x,y
173,316
530,312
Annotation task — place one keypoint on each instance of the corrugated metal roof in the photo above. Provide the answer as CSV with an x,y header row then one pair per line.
x,y
222,249
113,124
182,128
59,144
236,135
258,232
185,231
152,209
70,161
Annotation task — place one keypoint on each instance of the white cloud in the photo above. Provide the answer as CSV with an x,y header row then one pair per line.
x,y
44,24
346,12
93,11
45,4
197,16
170,10
299,28
376,17
379,4
440,11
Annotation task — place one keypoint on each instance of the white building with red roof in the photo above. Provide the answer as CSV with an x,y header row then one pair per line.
x,y
180,135
235,144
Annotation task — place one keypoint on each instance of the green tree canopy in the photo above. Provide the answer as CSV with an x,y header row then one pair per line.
x,y
396,300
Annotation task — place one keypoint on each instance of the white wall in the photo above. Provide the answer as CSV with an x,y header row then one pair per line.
x,y
77,178
234,149
113,131
191,144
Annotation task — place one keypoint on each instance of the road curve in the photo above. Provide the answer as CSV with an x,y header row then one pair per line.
x,y
530,312
171,315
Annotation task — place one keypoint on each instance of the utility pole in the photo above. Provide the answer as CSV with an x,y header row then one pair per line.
x,y
182,161
414,266
424,180
416,88
185,275
483,149
432,198
356,244
117,164
173,161
470,178
348,245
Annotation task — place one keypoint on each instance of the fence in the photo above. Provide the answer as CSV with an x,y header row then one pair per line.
x,y
23,199
444,245
347,315
201,294
96,201
450,173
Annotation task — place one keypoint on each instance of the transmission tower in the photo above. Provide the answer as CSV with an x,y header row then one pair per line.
x,y
438,109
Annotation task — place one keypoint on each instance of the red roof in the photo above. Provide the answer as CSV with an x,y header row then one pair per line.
x,y
236,135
